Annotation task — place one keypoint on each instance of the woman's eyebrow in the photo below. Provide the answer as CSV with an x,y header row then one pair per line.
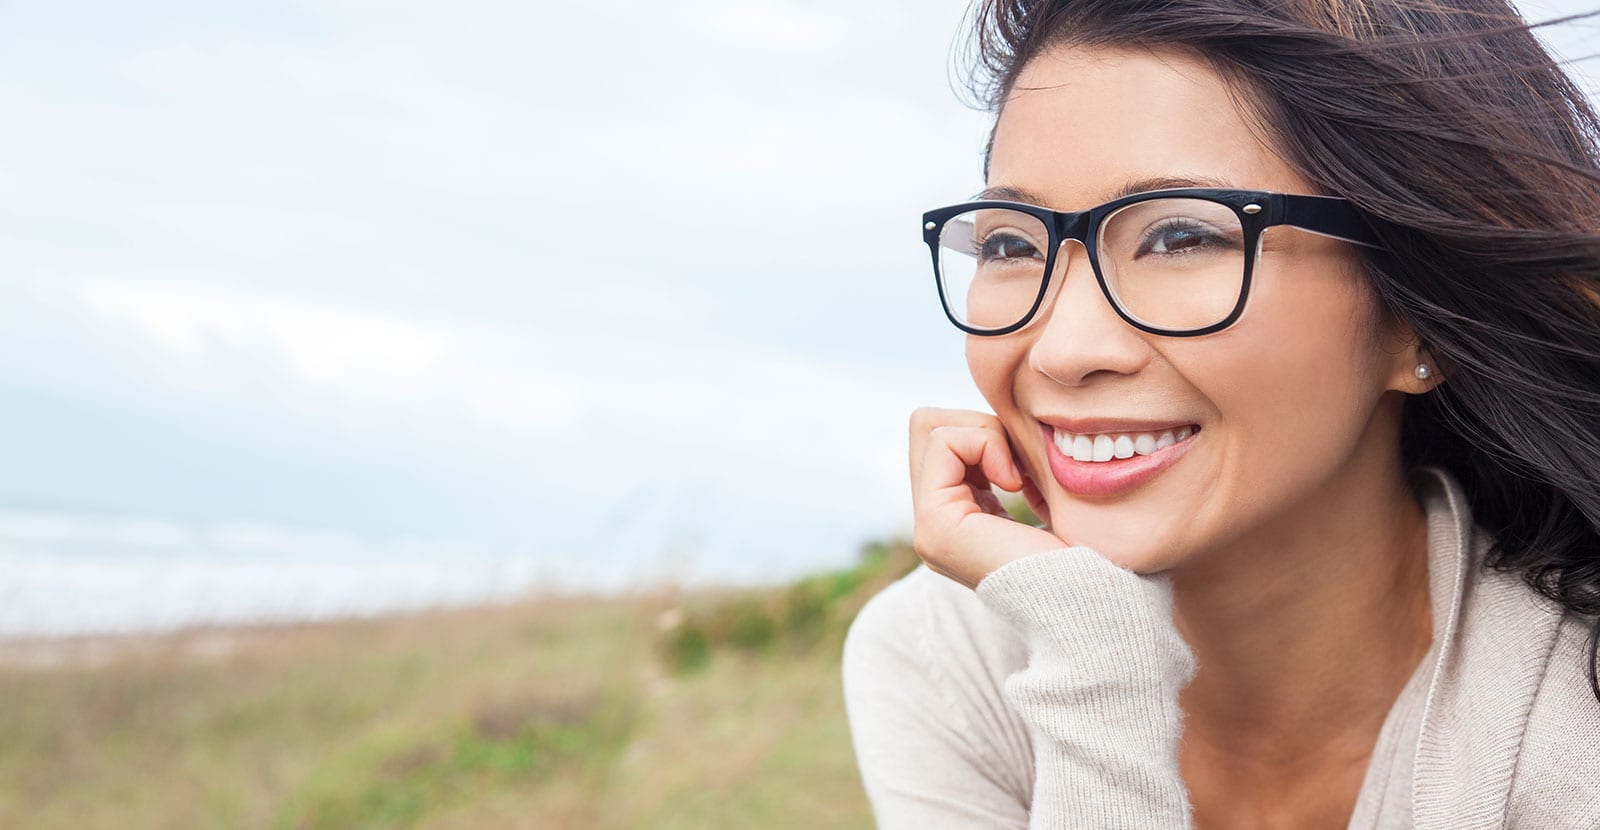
x,y
1011,194
1164,182
1022,194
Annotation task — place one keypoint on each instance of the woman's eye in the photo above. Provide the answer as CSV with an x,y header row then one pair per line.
x,y
1180,236
1006,246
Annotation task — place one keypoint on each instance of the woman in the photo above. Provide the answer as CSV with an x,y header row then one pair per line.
x,y
1288,316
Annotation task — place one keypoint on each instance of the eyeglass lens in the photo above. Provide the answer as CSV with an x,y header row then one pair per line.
x,y
1171,263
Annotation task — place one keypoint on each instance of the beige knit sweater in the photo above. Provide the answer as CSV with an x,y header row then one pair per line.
x,y
1048,697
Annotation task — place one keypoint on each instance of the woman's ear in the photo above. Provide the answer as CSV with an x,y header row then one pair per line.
x,y
1414,367
1429,370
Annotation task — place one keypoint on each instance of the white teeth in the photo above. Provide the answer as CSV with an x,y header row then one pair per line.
x,y
1106,447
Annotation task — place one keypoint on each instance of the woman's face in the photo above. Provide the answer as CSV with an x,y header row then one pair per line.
x,y
1286,399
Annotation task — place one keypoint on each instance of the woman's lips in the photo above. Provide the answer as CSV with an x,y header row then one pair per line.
x,y
1099,479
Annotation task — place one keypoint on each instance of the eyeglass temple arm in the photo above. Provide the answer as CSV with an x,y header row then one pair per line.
x,y
959,234
1329,216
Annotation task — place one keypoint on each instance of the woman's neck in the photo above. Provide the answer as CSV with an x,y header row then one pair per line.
x,y
1306,633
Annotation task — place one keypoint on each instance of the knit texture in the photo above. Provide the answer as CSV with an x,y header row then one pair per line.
x,y
1101,688
1048,698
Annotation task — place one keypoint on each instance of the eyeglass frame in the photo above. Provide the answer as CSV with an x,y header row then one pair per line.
x,y
1330,216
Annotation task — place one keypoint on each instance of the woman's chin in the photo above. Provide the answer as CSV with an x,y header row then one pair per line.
x,y
1148,565
1137,556
1133,537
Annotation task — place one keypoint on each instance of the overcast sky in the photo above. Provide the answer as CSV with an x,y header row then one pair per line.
x,y
600,280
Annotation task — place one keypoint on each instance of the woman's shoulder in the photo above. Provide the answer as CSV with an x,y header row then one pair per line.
x,y
1557,777
924,669
1565,697
1510,734
927,643
936,622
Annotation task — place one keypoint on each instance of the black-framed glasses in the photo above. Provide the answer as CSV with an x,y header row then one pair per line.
x,y
1174,262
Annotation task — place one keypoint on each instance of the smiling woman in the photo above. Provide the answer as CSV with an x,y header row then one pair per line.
x,y
1287,315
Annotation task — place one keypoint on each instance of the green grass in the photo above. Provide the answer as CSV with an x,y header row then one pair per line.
x,y
705,709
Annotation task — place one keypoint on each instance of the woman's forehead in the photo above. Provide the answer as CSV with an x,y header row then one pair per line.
x,y
1082,122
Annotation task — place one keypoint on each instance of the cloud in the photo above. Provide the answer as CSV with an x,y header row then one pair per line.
x,y
622,275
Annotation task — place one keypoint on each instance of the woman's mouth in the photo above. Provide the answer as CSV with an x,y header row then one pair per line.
x,y
1110,464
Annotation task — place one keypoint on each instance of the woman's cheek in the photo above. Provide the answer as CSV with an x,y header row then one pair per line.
x,y
992,362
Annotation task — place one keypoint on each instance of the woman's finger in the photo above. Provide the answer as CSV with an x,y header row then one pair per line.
x,y
952,450
928,418
958,466
983,494
1036,502
961,530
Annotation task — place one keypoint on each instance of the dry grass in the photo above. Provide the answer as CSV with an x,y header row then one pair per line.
x,y
556,712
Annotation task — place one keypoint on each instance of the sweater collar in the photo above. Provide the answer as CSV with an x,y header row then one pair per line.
x,y
1492,636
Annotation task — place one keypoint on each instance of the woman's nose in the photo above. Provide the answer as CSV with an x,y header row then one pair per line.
x,y
1081,333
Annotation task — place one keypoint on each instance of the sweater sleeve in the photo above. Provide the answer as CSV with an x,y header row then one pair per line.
x,y
934,741
1100,690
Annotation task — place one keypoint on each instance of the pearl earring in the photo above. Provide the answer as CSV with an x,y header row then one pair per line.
x,y
1423,372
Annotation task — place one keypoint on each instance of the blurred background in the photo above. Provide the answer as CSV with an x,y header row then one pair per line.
x,y
554,359
313,307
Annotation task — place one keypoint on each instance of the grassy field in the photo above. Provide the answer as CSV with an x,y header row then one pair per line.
x,y
707,709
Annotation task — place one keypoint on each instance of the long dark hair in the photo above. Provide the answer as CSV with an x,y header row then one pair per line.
x,y
1478,159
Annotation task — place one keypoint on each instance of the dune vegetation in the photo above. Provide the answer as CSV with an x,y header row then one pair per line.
x,y
708,708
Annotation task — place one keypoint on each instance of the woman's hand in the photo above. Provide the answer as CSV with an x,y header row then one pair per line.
x,y
960,529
